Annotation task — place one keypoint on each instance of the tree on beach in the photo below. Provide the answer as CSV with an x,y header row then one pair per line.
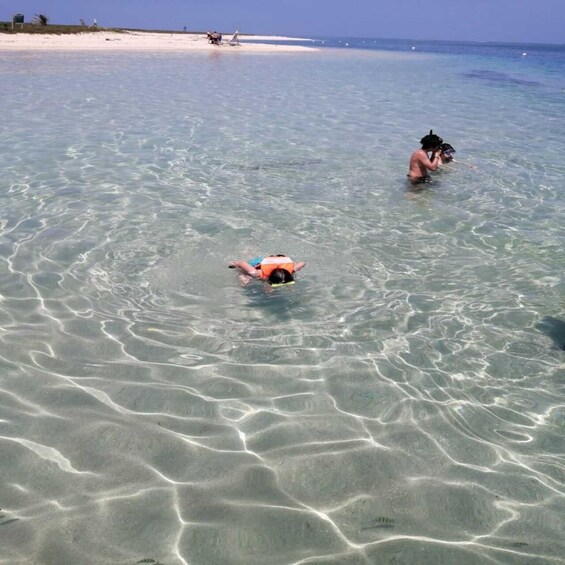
x,y
40,19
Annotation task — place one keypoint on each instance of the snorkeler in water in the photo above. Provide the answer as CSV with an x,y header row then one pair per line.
x,y
446,156
446,153
421,163
276,270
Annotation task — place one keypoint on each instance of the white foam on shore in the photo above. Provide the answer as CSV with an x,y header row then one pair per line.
x,y
273,38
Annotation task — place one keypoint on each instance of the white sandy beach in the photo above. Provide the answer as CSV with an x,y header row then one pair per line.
x,y
139,41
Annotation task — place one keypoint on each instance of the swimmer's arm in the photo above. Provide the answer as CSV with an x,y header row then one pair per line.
x,y
432,164
246,268
464,163
298,266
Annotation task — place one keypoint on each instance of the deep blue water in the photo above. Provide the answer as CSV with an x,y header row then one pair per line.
x,y
504,50
489,49
542,56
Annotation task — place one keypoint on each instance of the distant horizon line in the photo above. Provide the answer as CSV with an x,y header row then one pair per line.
x,y
291,36
481,42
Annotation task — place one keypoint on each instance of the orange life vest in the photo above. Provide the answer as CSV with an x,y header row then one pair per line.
x,y
272,262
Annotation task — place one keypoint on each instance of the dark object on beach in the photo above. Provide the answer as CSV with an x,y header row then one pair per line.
x,y
18,19
214,37
40,19
553,328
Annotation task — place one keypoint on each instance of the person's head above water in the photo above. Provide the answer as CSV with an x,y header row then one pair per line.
x,y
447,149
280,276
431,141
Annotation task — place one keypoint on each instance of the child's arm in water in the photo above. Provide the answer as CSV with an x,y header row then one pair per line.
x,y
246,268
246,272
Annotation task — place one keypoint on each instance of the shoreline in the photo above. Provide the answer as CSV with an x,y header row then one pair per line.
x,y
144,41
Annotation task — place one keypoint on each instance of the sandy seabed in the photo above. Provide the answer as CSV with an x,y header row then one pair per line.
x,y
139,41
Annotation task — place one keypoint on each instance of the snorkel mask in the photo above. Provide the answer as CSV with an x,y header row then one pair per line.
x,y
447,150
282,284
280,277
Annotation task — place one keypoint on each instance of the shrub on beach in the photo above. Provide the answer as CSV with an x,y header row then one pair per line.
x,y
40,19
6,27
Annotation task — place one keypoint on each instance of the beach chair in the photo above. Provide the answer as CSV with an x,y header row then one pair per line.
x,y
234,40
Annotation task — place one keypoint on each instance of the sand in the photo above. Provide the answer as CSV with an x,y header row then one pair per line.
x,y
139,41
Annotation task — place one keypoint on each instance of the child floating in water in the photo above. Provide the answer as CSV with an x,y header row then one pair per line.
x,y
276,270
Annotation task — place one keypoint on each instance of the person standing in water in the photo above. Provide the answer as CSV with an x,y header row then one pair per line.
x,y
421,163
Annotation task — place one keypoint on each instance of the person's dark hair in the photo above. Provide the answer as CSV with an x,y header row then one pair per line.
x,y
431,141
446,147
280,276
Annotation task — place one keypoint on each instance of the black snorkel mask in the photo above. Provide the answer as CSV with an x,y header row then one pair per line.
x,y
447,150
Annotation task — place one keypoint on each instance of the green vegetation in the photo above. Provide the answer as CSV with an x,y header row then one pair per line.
x,y
6,27
40,19
47,28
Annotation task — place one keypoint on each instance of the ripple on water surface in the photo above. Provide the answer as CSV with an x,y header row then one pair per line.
x,y
402,403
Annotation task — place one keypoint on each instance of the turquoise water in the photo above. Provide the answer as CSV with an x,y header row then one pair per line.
x,y
399,404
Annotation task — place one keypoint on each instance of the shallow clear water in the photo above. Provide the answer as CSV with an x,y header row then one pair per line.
x,y
399,404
